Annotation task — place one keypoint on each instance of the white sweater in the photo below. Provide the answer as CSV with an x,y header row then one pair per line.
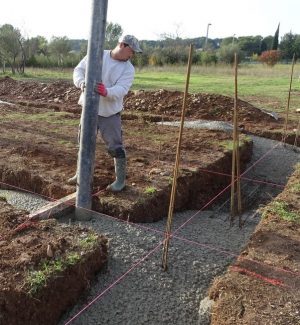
x,y
117,76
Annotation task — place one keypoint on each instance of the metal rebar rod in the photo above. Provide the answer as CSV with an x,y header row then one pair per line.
x,y
233,168
288,102
174,184
297,133
237,147
89,116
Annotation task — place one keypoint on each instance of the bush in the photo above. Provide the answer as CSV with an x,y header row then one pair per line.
x,y
208,58
270,57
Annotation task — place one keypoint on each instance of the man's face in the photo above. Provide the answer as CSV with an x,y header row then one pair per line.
x,y
126,51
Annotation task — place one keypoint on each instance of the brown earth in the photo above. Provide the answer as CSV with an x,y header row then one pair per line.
x,y
44,267
262,287
38,151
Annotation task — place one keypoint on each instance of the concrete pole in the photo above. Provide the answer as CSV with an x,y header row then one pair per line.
x,y
89,115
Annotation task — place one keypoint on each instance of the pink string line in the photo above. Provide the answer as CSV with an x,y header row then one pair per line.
x,y
172,235
114,283
274,282
214,248
243,178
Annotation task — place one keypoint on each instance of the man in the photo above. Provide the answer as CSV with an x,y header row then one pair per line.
x,y
117,78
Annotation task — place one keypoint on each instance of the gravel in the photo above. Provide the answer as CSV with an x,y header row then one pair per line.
x,y
134,288
203,124
23,200
147,294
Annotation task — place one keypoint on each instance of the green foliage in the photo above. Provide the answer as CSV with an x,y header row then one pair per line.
x,y
37,279
72,258
36,46
282,210
88,242
16,51
289,45
208,57
112,34
155,59
275,39
296,188
11,51
60,47
150,190
226,53
250,45
227,145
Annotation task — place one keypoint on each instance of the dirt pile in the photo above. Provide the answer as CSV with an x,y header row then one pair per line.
x,y
262,287
44,266
163,104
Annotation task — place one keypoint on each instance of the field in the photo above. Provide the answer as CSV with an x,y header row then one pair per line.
x,y
39,153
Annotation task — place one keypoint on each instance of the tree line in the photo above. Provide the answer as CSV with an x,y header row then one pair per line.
x,y
18,52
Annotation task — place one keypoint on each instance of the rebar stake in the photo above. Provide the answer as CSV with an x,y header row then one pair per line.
x,y
176,167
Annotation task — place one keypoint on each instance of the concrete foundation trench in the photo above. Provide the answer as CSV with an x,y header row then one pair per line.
x,y
134,289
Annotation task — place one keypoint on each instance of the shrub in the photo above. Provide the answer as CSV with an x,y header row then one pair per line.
x,y
270,57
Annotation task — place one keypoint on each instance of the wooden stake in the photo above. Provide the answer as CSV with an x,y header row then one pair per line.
x,y
175,175
288,102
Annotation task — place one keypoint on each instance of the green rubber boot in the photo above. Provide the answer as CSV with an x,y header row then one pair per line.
x,y
120,170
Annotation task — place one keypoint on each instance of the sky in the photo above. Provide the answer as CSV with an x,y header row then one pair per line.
x,y
149,20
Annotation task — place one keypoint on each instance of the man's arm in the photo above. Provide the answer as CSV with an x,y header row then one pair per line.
x,y
79,74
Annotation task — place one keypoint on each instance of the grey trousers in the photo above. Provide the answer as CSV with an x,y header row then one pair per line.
x,y
110,129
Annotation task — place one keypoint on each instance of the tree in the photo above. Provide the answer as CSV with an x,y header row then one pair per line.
x,y
297,47
226,53
250,45
112,34
275,39
60,48
35,47
266,43
11,49
208,57
289,45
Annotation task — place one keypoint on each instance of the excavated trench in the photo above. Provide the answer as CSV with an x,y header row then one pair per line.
x,y
135,289
203,247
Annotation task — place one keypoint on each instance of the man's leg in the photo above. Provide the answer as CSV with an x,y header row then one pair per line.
x,y
73,180
111,132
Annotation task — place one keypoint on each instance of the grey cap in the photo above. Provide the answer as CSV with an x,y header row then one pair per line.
x,y
132,42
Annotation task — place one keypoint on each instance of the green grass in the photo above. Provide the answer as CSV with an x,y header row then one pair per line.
x,y
228,144
150,190
37,279
55,118
89,242
295,188
43,75
282,210
260,85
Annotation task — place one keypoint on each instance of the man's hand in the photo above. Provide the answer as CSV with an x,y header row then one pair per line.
x,y
101,89
82,86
